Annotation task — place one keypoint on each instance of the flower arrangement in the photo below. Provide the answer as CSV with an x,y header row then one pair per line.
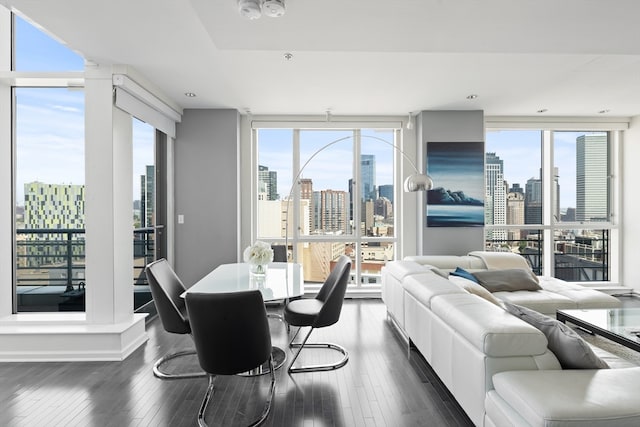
x,y
260,253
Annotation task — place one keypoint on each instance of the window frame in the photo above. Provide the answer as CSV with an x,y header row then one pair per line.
x,y
399,170
614,127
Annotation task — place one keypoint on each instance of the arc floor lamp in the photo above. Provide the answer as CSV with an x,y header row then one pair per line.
x,y
415,182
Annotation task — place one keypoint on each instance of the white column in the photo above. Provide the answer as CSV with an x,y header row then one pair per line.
x,y
108,203
7,208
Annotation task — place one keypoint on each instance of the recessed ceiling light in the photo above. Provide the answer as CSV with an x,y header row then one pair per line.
x,y
603,111
190,94
472,96
542,110
288,56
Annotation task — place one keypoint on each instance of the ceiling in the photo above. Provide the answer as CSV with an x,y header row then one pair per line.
x,y
367,57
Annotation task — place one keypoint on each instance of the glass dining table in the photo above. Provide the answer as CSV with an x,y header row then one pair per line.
x,y
281,281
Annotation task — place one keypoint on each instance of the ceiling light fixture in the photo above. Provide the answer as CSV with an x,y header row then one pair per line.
x,y
603,111
190,94
254,9
542,110
288,56
472,96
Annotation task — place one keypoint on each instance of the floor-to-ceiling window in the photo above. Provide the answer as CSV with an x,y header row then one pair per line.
x,y
549,197
342,201
48,151
144,208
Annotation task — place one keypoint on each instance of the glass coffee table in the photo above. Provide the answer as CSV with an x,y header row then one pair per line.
x,y
621,325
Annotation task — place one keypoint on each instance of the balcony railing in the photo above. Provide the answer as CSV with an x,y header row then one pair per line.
x,y
577,258
50,267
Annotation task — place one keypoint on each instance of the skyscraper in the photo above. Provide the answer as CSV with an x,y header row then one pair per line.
x,y
533,201
267,183
147,192
592,172
386,191
495,195
368,171
333,211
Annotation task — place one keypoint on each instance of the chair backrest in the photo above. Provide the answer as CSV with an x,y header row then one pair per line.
x,y
230,330
166,288
279,253
332,293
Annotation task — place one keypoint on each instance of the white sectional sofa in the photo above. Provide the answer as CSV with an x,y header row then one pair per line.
x,y
497,366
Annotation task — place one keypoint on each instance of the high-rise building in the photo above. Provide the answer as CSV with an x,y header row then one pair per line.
x,y
53,206
306,193
333,211
386,191
495,195
592,172
368,172
515,212
533,201
147,194
267,183
383,207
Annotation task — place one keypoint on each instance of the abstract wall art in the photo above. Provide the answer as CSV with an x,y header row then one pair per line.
x,y
457,170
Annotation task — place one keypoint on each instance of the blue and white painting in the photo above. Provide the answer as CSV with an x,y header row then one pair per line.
x,y
457,170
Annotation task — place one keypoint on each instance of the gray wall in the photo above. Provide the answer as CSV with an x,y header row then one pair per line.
x,y
450,126
206,191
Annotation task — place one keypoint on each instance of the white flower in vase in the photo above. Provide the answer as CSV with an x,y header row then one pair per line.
x,y
258,255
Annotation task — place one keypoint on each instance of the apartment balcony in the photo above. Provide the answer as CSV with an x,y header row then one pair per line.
x,y
50,268
577,258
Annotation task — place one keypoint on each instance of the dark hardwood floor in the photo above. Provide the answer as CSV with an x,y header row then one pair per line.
x,y
380,386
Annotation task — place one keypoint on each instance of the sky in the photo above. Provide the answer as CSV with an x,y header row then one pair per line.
x,y
50,121
332,166
521,152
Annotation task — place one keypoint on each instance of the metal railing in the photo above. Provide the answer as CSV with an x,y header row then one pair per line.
x,y
50,268
577,258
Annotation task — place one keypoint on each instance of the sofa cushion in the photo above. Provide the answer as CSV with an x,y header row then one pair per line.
x,y
543,301
571,350
461,272
487,327
582,296
571,398
511,279
475,289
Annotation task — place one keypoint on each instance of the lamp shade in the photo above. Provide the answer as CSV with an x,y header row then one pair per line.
x,y
417,182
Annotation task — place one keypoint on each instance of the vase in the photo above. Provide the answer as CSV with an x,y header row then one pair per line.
x,y
258,269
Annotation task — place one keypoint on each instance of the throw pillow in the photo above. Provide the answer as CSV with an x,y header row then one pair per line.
x,y
475,289
461,272
571,350
509,279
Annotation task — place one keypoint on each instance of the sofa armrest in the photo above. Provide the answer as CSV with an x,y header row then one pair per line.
x,y
601,397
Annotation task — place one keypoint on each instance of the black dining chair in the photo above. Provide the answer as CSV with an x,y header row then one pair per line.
x,y
166,288
319,312
232,336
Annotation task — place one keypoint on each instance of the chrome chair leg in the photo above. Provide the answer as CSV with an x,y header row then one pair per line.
x,y
168,376
316,368
267,406
205,402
